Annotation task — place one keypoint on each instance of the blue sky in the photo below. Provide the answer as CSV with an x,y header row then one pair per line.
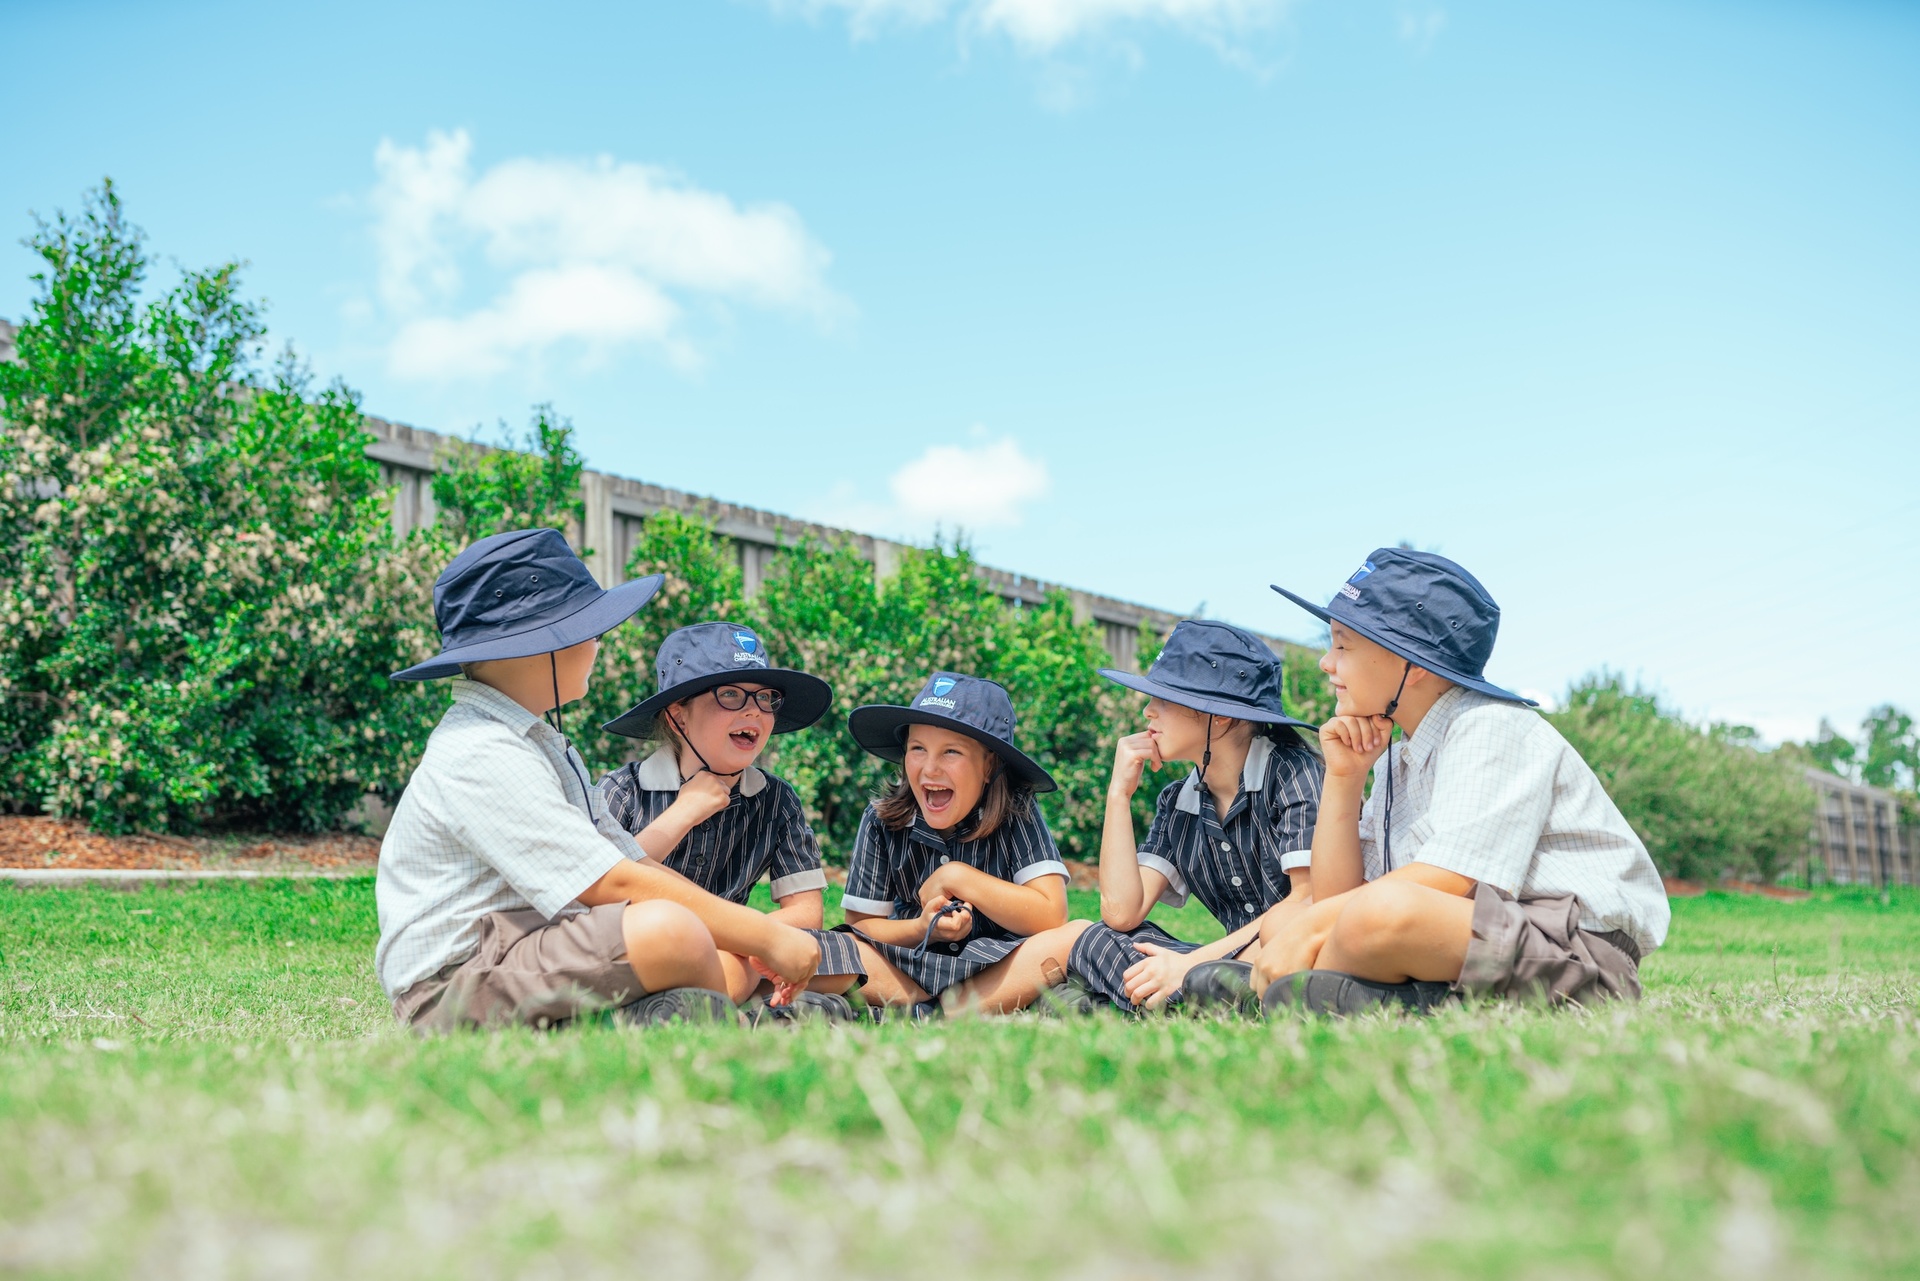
x,y
1617,304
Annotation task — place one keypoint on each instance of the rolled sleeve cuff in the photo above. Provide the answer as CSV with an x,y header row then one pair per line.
x,y
1034,871
871,906
1478,871
812,878
1294,860
1175,895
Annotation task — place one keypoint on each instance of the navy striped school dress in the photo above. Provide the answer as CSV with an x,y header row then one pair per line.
x,y
763,832
888,867
1236,863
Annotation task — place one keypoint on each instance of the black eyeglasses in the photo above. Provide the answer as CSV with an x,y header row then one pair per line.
x,y
733,698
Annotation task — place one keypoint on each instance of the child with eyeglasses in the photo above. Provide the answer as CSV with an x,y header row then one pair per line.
x,y
699,806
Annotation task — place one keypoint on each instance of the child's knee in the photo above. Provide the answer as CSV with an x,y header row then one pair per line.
x,y
1382,910
658,928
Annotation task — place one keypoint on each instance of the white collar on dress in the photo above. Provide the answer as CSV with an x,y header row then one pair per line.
x,y
1253,776
660,772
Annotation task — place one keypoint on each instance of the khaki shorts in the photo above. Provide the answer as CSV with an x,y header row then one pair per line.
x,y
528,971
1531,948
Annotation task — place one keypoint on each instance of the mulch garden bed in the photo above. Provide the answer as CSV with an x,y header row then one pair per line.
x,y
53,843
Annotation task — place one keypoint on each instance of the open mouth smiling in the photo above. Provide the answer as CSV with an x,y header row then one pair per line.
x,y
935,798
745,739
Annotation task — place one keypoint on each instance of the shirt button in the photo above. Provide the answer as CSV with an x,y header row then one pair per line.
x,y
1226,847
1236,880
1247,908
943,858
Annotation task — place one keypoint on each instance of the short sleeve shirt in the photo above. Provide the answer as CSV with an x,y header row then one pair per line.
x,y
496,818
1237,863
763,831
888,867
1489,790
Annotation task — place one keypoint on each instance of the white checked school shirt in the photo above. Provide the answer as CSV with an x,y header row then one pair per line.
x,y
494,819
1488,789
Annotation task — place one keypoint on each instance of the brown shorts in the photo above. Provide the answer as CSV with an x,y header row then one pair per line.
x,y
1532,948
528,971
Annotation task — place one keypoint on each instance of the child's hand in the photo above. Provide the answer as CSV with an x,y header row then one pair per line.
x,y
789,960
1131,757
1150,982
949,881
1351,744
783,991
703,796
955,927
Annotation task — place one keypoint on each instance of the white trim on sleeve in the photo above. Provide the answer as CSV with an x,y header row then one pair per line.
x,y
1175,895
812,878
1294,860
871,906
1034,871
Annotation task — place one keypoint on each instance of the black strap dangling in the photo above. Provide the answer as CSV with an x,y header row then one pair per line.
x,y
559,725
1393,705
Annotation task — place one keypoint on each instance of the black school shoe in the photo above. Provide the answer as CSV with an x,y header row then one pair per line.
x,y
807,1007
1071,999
1220,987
1331,992
679,1005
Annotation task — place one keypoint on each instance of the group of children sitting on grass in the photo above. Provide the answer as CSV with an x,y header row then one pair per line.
x,y
1486,860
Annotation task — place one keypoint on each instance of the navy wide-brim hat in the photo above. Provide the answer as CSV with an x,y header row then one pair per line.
x,y
518,594
1424,608
708,655
1215,668
980,709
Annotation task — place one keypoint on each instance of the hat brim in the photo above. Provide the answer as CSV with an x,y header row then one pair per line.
x,y
881,728
596,618
1208,703
1387,642
808,698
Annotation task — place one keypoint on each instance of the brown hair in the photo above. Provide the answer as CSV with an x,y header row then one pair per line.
x,y
1001,801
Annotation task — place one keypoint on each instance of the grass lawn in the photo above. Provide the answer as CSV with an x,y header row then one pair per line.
x,y
204,1081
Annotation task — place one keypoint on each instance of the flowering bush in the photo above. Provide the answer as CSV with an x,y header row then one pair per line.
x,y
202,594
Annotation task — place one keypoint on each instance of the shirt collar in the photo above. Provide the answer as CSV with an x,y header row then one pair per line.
x,y
1253,775
1419,749
489,701
660,772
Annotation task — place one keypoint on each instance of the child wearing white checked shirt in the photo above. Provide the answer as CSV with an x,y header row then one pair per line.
x,y
1487,859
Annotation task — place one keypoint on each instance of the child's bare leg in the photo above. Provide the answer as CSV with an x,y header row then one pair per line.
x,y
885,984
667,947
835,984
742,979
1393,930
1296,942
1012,983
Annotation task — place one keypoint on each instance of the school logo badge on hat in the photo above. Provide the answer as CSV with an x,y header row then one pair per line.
x,y
944,685
749,654
1352,588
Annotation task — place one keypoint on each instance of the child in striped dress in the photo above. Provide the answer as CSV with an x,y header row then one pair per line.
x,y
955,893
1237,832
702,808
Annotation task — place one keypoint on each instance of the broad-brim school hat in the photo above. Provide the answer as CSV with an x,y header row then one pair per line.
x,y
518,594
980,709
1424,608
708,655
1215,668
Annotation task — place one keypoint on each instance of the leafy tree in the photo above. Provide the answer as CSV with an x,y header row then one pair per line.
x,y
1833,751
203,594
1889,749
530,483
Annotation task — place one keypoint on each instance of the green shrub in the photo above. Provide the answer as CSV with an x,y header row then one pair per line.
x,y
1707,802
202,595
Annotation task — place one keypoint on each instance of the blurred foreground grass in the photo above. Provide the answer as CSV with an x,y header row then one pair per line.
x,y
204,1081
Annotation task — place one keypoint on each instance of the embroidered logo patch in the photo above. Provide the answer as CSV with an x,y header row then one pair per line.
x,y
749,654
1350,591
943,685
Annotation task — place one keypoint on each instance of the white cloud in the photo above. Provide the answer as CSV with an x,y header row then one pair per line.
x,y
595,254
1042,26
984,484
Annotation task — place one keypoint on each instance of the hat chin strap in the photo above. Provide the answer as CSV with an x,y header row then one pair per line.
x,y
559,724
1393,705
688,740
